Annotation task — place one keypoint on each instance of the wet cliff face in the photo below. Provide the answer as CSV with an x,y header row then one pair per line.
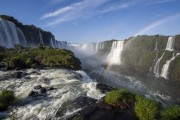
x,y
141,55
13,32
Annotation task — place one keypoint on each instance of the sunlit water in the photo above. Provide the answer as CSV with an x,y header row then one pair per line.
x,y
68,86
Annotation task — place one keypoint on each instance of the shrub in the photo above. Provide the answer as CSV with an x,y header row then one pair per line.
x,y
171,113
146,109
29,62
119,98
6,99
14,62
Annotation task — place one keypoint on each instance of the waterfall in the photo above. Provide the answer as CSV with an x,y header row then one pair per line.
x,y
41,38
157,65
10,34
165,68
14,32
99,46
22,38
114,57
154,61
6,38
52,43
170,44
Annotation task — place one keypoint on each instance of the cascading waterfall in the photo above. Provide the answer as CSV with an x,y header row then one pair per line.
x,y
10,34
22,37
41,38
154,61
157,65
99,46
52,43
114,57
14,32
170,44
165,68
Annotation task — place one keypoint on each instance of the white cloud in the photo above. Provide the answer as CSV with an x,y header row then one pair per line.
x,y
86,8
58,12
56,1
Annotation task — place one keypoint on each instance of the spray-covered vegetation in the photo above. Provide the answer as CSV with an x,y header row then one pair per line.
x,y
20,58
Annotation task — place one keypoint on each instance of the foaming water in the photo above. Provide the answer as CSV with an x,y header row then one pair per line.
x,y
149,89
68,85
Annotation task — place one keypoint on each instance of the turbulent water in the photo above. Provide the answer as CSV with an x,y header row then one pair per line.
x,y
67,84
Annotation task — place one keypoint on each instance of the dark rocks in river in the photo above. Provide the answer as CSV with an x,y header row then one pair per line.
x,y
37,87
18,74
103,87
33,94
101,111
80,102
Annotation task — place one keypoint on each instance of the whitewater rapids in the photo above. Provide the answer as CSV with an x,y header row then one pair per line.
x,y
67,84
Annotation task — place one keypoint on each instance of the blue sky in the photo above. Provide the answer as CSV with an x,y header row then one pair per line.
x,y
84,21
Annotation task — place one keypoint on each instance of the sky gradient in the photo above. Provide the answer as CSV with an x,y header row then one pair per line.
x,y
84,21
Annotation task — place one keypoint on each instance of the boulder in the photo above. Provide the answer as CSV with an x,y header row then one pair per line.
x,y
103,87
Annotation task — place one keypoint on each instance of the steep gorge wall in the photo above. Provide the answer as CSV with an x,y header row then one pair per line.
x,y
13,32
151,55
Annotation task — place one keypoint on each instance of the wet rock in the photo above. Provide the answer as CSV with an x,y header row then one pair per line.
x,y
37,87
79,102
3,66
51,88
18,74
43,90
103,87
101,111
33,94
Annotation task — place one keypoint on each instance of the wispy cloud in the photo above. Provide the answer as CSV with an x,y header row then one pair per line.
x,y
153,2
73,11
56,1
89,8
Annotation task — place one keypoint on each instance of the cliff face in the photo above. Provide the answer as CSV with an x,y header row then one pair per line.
x,y
152,55
142,55
13,32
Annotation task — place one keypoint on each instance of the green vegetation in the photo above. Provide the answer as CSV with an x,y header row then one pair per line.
x,y
171,113
6,99
146,109
20,58
174,72
78,118
119,98
139,53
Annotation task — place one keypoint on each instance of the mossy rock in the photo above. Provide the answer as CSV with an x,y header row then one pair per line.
x,y
119,98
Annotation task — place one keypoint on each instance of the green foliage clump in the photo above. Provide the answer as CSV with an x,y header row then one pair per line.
x,y
174,72
6,99
14,62
78,118
119,97
39,57
146,109
171,113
